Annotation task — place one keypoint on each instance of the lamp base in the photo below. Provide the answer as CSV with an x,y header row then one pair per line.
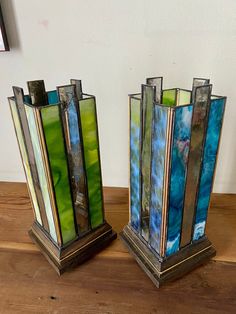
x,y
74,253
161,270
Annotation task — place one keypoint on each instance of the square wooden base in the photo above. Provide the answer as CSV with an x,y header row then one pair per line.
x,y
162,270
74,253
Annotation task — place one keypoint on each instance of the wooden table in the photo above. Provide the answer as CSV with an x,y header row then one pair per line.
x,y
111,282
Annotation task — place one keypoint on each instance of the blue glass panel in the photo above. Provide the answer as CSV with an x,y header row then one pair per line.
x,y
76,161
180,151
27,99
160,117
208,166
52,97
135,173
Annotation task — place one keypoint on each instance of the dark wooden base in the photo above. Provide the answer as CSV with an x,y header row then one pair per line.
x,y
76,252
162,270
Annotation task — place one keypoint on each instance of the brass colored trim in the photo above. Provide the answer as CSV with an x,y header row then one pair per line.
x,y
48,176
85,245
166,182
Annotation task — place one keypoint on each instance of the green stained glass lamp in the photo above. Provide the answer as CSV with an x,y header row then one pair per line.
x,y
57,134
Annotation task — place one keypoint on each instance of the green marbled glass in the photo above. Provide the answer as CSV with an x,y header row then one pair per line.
x,y
87,108
169,97
58,163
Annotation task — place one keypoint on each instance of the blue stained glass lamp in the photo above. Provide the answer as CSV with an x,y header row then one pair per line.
x,y
174,141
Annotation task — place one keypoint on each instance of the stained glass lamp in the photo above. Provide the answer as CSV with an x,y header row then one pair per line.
x,y
57,134
174,140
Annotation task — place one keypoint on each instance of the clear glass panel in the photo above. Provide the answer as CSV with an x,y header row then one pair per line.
x,y
179,158
70,119
88,118
135,154
148,97
19,100
198,82
41,170
213,132
157,82
24,157
198,132
59,169
78,88
159,139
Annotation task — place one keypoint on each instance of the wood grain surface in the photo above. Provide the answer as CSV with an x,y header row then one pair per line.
x,y
111,282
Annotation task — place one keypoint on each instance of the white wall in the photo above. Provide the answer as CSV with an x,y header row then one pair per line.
x,y
113,46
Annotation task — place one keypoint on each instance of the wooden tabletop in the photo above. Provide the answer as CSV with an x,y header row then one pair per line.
x,y
111,282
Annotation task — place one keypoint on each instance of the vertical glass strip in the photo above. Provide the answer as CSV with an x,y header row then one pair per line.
x,y
159,133
198,132
184,97
41,171
37,93
24,157
78,88
135,156
148,97
213,132
179,158
169,97
196,83
58,164
88,118
19,99
156,81
75,157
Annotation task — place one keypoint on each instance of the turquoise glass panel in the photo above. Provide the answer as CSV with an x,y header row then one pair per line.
x,y
179,158
52,97
135,172
58,164
209,161
25,160
160,119
40,169
87,108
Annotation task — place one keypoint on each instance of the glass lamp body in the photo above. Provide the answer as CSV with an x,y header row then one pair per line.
x,y
57,135
174,140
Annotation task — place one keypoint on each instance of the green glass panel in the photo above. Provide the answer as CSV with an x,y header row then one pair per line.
x,y
169,97
58,165
25,160
88,118
41,171
184,97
